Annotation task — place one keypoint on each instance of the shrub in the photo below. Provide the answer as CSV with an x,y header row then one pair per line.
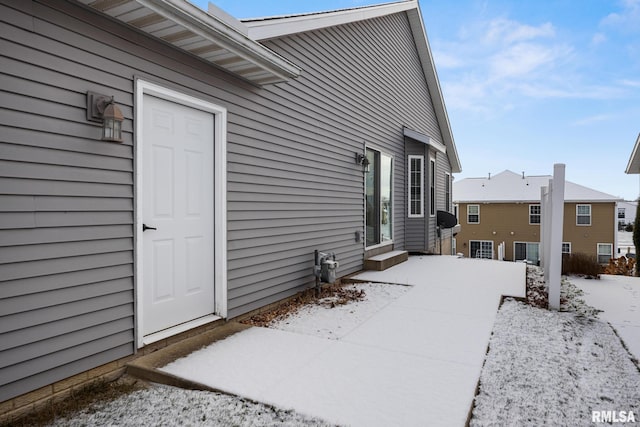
x,y
629,227
580,263
622,266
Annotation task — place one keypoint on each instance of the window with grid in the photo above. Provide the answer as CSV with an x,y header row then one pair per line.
x,y
566,247
473,214
605,252
583,214
621,213
534,214
416,186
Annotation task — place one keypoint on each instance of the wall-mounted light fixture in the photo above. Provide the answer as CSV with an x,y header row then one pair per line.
x,y
362,160
103,109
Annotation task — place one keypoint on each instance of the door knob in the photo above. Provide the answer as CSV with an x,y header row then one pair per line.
x,y
145,227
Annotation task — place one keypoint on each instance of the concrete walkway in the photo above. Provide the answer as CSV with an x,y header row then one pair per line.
x,y
414,362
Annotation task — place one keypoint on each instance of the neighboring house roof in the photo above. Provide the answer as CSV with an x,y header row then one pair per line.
x,y
510,187
633,166
280,26
215,37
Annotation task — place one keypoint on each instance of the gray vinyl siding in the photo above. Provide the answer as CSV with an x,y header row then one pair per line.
x,y
416,228
67,198
442,166
364,94
66,214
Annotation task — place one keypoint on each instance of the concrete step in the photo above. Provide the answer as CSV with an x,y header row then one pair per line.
x,y
386,260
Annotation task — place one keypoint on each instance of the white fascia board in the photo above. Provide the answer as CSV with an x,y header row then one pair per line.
x,y
424,139
634,161
424,53
216,29
269,28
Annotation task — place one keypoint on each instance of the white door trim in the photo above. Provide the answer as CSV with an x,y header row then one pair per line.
x,y
143,87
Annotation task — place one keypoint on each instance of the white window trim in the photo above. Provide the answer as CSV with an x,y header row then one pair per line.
x,y
590,215
432,184
393,171
481,241
539,214
524,243
567,243
143,87
421,214
610,255
469,222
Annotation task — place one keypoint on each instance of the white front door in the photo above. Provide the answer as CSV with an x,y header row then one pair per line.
x,y
178,205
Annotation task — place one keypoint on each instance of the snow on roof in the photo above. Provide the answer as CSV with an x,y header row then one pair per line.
x,y
508,186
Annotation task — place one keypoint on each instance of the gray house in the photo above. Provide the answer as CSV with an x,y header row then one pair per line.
x,y
245,147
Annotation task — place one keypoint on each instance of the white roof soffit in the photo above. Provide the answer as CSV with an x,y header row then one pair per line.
x,y
634,161
209,37
424,139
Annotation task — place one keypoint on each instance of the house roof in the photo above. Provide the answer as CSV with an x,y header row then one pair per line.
x,y
279,26
509,187
634,161
215,37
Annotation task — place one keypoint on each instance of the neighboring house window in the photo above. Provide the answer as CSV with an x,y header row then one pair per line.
x,y
473,214
378,198
432,187
447,192
621,213
566,247
416,186
527,251
481,249
605,252
534,214
583,214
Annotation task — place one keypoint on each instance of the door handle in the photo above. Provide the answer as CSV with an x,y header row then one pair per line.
x,y
145,227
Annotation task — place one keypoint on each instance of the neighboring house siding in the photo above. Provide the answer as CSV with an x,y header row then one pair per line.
x,y
585,239
507,218
67,199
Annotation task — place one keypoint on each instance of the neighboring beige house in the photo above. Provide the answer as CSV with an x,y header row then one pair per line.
x,y
506,208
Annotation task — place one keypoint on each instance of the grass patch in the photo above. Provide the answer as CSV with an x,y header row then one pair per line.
x,y
83,398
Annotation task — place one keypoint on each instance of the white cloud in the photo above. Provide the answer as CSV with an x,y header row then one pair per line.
x,y
626,20
598,39
506,31
593,119
525,59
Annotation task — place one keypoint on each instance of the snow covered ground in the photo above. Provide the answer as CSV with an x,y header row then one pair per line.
x,y
407,355
548,368
619,299
412,360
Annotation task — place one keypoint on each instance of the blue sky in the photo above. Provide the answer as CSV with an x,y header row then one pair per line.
x,y
527,83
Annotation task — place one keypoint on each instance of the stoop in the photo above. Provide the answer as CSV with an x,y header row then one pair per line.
x,y
386,260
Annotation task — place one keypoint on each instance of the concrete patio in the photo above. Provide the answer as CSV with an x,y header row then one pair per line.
x,y
416,361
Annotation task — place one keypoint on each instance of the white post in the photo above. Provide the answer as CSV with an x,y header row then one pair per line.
x,y
555,242
543,223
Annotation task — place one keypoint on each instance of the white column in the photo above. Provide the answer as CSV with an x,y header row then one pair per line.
x,y
555,241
